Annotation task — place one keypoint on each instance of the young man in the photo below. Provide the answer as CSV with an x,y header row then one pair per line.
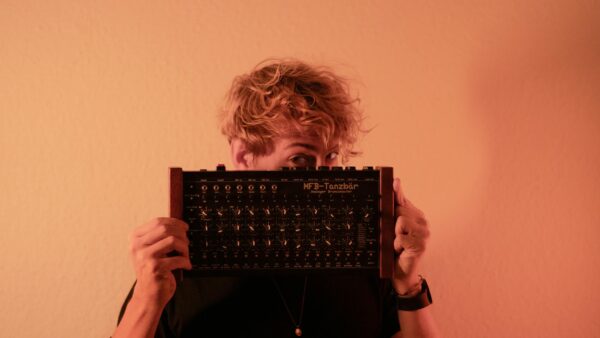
x,y
283,113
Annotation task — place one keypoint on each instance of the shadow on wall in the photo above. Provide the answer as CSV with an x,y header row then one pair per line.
x,y
538,95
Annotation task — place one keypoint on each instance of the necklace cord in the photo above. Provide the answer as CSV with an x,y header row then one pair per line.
x,y
297,325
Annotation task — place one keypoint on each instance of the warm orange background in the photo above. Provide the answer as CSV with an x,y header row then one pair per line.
x,y
488,110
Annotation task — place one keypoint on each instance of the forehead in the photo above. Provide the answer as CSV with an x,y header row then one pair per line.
x,y
315,144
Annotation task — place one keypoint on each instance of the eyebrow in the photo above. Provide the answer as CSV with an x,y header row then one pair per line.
x,y
310,147
304,145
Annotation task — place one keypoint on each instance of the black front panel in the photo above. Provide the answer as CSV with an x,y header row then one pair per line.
x,y
293,220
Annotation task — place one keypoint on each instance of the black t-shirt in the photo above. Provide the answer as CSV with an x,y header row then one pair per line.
x,y
335,306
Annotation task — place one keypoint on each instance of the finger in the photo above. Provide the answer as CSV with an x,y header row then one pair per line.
x,y
400,226
398,193
164,246
408,210
175,262
161,231
405,226
410,242
398,245
145,228
161,268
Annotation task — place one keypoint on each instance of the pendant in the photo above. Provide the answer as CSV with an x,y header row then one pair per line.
x,y
298,332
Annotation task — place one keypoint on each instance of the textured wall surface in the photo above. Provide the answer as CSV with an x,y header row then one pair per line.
x,y
488,110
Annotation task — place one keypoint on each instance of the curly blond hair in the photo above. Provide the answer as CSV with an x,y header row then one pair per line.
x,y
287,97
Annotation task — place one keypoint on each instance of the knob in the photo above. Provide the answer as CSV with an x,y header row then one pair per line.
x,y
283,211
203,212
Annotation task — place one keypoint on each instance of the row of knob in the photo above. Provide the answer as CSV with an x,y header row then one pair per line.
x,y
239,187
282,241
221,167
223,212
237,227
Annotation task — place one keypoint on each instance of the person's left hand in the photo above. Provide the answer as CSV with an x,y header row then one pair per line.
x,y
412,232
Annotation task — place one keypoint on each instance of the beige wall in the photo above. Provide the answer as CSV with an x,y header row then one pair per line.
x,y
488,110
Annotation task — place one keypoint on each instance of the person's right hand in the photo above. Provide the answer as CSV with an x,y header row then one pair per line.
x,y
149,245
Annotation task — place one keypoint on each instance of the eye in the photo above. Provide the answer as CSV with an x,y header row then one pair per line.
x,y
301,160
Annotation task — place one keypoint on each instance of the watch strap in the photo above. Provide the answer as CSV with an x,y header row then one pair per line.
x,y
416,302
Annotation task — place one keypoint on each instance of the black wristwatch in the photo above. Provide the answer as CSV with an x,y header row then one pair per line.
x,y
416,302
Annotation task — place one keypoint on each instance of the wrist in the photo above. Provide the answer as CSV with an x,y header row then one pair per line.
x,y
407,285
149,305
415,299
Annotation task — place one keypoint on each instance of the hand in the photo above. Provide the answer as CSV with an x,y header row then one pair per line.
x,y
412,233
149,245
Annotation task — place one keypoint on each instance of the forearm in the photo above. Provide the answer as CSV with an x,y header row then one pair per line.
x,y
140,320
418,324
415,322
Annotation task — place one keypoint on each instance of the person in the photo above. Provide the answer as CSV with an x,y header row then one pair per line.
x,y
283,113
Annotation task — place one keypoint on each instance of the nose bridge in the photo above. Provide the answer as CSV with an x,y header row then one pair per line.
x,y
321,160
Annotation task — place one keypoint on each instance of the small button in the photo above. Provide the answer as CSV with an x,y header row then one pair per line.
x,y
220,167
323,168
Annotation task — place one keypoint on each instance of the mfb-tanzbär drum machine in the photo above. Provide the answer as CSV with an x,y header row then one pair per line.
x,y
322,219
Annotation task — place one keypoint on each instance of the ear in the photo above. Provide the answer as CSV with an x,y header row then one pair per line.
x,y
241,157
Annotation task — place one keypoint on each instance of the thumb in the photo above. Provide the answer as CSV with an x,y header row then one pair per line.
x,y
398,193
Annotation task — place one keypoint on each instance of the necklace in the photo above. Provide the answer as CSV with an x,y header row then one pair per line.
x,y
297,331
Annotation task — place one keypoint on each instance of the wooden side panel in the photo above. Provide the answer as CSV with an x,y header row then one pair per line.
x,y
387,222
176,204
176,192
